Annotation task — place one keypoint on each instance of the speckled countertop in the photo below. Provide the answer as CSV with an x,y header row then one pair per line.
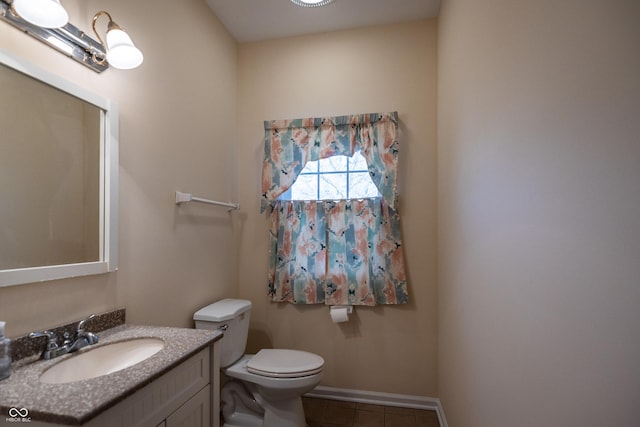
x,y
77,402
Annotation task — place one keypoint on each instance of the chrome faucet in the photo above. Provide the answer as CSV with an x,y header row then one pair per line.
x,y
81,339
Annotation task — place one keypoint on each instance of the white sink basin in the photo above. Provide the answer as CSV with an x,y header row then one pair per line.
x,y
102,360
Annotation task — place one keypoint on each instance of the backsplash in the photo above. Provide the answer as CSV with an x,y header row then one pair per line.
x,y
24,346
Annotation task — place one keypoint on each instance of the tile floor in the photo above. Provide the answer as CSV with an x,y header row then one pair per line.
x,y
333,413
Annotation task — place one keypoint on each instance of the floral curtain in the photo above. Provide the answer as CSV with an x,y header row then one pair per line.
x,y
345,252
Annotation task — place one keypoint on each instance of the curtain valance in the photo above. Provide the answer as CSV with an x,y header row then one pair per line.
x,y
290,144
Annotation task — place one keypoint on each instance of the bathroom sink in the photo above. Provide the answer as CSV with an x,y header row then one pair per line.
x,y
102,360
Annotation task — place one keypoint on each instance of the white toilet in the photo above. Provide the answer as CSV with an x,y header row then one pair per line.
x,y
265,389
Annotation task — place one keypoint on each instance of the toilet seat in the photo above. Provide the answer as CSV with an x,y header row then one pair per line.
x,y
280,363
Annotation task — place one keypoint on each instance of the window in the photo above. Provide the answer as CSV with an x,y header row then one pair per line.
x,y
337,177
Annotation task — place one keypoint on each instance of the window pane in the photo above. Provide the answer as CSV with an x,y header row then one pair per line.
x,y
310,167
361,186
333,186
305,188
333,180
334,164
357,162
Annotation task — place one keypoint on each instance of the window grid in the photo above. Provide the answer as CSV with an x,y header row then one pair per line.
x,y
347,171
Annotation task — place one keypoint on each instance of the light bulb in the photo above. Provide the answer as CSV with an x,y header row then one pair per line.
x,y
121,52
43,13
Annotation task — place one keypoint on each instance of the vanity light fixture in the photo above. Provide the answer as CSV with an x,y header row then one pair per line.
x,y
43,13
121,52
311,3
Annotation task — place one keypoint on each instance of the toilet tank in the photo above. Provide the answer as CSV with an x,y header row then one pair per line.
x,y
230,316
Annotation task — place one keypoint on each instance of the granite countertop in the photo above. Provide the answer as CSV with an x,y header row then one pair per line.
x,y
77,402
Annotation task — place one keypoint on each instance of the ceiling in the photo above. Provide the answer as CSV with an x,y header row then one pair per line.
x,y
255,20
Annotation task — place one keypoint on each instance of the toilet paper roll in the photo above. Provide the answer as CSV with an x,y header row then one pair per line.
x,y
339,314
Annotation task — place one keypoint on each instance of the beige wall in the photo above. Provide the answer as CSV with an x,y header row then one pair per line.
x,y
177,132
539,208
387,348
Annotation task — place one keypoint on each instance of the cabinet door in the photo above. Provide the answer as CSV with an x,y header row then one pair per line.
x,y
194,413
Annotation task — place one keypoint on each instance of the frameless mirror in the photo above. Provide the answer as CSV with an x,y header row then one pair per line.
x,y
58,177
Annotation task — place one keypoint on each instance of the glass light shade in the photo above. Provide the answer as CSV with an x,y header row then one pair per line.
x,y
121,52
43,13
311,3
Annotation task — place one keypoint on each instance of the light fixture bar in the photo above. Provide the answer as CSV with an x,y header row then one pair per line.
x,y
69,40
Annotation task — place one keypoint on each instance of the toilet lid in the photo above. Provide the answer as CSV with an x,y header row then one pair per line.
x,y
285,363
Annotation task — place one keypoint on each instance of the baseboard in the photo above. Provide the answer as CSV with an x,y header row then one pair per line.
x,y
377,398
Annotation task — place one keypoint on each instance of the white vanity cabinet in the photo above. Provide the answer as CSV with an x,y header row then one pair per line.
x,y
185,396
193,413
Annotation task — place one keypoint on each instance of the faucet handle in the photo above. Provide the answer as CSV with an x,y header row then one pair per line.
x,y
52,342
80,327
51,335
89,337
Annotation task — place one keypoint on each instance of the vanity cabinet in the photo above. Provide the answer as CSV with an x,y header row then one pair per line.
x,y
185,396
195,412
181,397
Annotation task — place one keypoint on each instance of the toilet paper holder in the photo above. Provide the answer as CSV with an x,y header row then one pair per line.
x,y
340,313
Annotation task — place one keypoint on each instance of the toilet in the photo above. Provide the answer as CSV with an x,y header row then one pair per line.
x,y
261,390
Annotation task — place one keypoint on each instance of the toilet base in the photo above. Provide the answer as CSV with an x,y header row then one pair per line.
x,y
283,413
243,420
285,417
287,413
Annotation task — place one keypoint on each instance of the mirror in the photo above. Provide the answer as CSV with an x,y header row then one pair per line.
x,y
58,177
